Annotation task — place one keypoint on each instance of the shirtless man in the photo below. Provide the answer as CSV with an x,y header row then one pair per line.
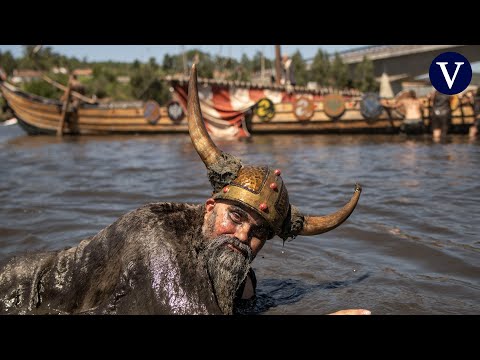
x,y
413,109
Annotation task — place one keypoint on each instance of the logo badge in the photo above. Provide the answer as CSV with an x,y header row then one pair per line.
x,y
450,73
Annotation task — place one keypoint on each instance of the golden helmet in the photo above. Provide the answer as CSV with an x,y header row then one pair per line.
x,y
259,188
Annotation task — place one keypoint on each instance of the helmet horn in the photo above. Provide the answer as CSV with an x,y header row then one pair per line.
x,y
315,225
206,148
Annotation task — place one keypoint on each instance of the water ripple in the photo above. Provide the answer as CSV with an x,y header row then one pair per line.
x,y
411,246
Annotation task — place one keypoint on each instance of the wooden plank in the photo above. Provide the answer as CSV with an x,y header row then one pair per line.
x,y
296,126
133,126
18,100
38,114
123,121
33,117
127,112
91,129
38,122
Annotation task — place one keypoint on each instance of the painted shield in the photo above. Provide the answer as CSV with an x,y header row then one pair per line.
x,y
334,105
265,109
303,108
151,111
370,106
175,111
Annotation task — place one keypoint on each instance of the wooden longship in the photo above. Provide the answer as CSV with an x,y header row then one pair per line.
x,y
230,109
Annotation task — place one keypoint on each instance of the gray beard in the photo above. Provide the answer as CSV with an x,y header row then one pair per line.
x,y
227,269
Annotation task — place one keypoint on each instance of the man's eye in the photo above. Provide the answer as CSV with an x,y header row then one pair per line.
x,y
235,217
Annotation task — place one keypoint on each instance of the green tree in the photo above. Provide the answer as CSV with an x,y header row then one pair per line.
x,y
246,64
42,88
320,68
145,84
300,69
364,78
136,64
153,64
339,73
256,62
8,62
206,64
168,63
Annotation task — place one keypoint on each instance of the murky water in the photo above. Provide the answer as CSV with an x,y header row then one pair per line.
x,y
412,246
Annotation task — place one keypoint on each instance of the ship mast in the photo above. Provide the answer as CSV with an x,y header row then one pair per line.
x,y
278,65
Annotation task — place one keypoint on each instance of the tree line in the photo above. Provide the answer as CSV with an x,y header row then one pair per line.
x,y
145,77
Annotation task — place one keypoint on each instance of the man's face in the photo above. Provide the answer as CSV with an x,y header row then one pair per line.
x,y
233,236
225,217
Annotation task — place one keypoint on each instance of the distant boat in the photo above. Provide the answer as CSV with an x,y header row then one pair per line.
x,y
231,109
38,115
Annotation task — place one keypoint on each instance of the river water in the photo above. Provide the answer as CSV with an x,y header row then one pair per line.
x,y
412,245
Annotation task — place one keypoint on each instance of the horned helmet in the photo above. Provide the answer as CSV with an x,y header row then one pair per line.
x,y
259,188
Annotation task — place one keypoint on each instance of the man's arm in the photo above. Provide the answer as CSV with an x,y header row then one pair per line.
x,y
386,104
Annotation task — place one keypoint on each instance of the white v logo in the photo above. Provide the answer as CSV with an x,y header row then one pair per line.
x,y
445,72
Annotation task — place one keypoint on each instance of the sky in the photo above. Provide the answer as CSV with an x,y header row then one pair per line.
x,y
129,53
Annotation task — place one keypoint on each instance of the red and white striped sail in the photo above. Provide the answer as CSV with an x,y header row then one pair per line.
x,y
224,108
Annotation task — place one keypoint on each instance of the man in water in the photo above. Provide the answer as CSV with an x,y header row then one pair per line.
x,y
413,108
170,258
441,114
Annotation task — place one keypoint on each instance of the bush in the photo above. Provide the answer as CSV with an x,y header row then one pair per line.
x,y
42,88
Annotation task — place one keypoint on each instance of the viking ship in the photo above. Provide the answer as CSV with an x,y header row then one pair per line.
x,y
232,109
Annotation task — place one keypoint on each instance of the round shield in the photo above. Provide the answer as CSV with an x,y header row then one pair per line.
x,y
334,105
265,109
370,106
151,111
303,108
175,111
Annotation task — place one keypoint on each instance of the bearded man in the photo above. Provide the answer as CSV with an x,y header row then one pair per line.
x,y
170,258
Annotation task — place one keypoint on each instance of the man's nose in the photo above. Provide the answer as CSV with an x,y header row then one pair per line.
x,y
242,233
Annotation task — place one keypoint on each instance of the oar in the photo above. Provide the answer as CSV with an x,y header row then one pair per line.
x,y
63,87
